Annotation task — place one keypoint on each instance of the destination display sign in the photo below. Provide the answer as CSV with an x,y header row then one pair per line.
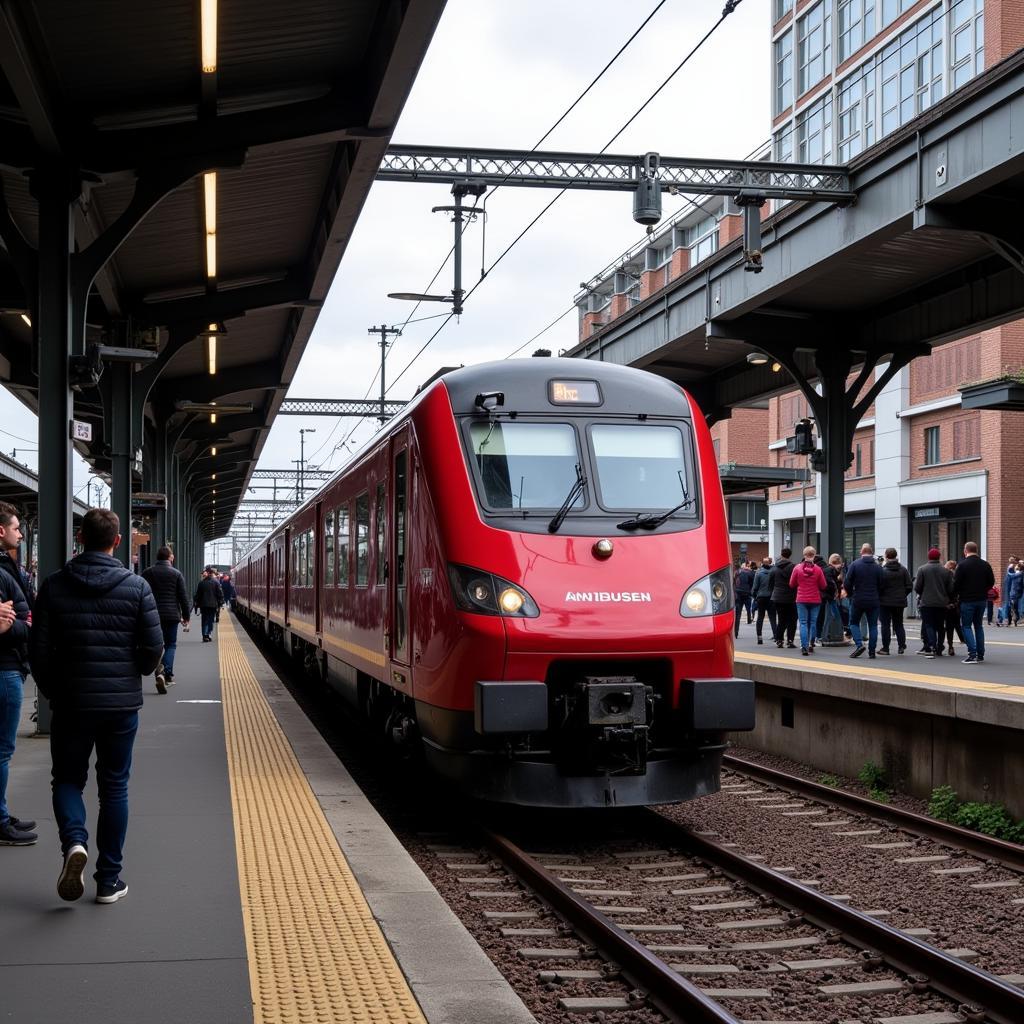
x,y
574,392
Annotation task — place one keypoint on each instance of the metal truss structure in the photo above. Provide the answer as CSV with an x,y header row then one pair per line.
x,y
293,475
339,407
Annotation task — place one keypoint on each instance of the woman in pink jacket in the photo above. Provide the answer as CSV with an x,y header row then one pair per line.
x,y
808,581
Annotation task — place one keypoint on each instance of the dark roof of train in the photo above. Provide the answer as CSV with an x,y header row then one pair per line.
x,y
524,383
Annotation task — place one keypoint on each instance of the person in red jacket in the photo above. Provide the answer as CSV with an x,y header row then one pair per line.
x,y
808,581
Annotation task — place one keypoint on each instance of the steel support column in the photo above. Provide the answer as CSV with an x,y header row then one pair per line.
x,y
835,430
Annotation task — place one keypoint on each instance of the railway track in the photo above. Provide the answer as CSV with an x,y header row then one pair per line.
x,y
1010,855
630,962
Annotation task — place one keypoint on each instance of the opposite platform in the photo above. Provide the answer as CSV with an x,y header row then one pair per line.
x,y
249,800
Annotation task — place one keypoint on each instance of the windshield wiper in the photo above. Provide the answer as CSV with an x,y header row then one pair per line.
x,y
574,492
650,522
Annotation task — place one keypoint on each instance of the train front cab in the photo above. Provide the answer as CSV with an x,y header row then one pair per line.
x,y
615,680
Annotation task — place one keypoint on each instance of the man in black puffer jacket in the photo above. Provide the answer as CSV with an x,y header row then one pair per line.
x,y
95,633
784,599
172,604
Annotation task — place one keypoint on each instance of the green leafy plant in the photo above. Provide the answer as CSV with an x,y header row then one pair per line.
x,y
990,819
875,778
829,780
943,803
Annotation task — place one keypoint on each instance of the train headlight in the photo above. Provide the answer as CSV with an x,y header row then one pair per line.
x,y
477,591
710,596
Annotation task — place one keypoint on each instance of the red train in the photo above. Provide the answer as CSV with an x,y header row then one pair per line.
x,y
527,572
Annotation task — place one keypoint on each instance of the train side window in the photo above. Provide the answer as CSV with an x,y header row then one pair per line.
x,y
343,545
301,581
329,549
380,514
311,554
362,540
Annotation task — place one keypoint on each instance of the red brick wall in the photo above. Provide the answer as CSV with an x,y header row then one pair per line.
x,y
949,366
743,438
680,263
729,228
1004,31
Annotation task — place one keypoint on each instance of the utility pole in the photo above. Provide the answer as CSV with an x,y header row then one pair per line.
x,y
383,332
302,459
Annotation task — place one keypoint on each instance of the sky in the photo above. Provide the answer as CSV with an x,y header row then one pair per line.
x,y
499,74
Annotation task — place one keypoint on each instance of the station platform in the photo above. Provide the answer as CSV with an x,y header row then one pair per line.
x,y
926,722
263,886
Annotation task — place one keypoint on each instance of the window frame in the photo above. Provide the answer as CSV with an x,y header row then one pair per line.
x,y
380,535
933,438
360,580
343,570
805,38
783,95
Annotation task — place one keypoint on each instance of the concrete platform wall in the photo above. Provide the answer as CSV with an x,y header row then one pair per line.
x,y
919,749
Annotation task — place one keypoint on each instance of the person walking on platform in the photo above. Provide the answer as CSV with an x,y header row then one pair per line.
x,y
208,599
1011,583
808,581
784,599
971,583
95,633
863,585
933,585
228,590
172,603
896,585
762,594
15,617
744,585
953,624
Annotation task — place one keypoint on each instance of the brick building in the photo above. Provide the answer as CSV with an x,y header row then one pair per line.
x,y
925,472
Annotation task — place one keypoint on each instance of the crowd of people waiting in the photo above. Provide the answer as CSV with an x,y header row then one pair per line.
x,y
867,598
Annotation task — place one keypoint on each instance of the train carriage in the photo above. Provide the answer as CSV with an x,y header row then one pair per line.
x,y
527,574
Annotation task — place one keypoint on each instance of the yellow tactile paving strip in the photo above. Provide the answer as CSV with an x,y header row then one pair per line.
x,y
316,954
882,674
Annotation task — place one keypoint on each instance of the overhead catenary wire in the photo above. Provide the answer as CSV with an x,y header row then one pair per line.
x,y
728,9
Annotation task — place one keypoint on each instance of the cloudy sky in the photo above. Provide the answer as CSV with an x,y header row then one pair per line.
x,y
499,74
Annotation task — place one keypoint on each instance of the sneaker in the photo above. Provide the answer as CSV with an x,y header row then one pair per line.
x,y
970,660
759,640
791,644
161,682
11,836
168,678
111,893
69,885
857,651
804,651
980,658
21,824
871,654
902,650
883,650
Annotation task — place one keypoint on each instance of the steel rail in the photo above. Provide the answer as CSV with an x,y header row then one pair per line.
x,y
670,992
959,980
1008,854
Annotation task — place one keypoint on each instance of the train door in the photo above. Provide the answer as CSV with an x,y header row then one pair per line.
x,y
289,572
398,587
318,566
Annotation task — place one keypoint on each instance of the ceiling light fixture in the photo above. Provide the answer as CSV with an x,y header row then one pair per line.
x,y
776,366
213,450
210,209
757,358
27,319
209,35
211,352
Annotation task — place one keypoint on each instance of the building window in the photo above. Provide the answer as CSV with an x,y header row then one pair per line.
x,y
748,514
856,99
815,45
782,8
814,132
912,71
863,464
783,72
892,9
856,25
967,40
931,446
783,144
717,444
702,239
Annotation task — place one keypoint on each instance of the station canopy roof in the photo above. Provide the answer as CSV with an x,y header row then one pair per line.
x,y
294,120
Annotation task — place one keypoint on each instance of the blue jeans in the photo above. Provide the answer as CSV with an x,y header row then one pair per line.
x,y
807,613
208,616
72,739
170,645
871,611
12,685
972,615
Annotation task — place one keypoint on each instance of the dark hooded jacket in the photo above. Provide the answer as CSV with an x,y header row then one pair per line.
x,y
169,591
14,643
95,633
208,594
896,584
782,570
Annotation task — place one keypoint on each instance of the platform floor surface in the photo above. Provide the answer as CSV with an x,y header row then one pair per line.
x,y
173,950
1002,672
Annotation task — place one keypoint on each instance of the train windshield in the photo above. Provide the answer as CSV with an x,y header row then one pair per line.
x,y
639,467
525,465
